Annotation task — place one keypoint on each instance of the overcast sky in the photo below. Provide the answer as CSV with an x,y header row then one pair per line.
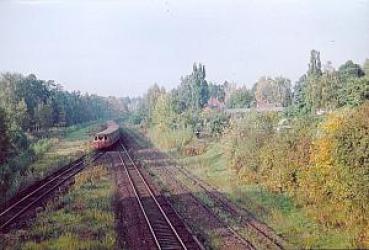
x,y
120,48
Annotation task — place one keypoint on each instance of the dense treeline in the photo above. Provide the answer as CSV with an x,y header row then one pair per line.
x,y
321,90
29,108
315,151
43,104
182,108
328,89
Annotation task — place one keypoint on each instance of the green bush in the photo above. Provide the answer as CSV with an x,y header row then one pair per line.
x,y
335,186
217,123
41,146
244,140
323,163
171,138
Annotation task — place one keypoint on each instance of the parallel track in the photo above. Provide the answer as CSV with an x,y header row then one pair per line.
x,y
224,203
37,192
211,191
163,231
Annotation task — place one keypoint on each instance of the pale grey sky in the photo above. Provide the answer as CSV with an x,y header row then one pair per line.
x,y
120,48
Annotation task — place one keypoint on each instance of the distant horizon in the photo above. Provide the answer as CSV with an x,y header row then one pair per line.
x,y
114,48
293,81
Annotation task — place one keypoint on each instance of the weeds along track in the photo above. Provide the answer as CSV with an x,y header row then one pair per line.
x,y
34,195
193,204
264,232
166,228
220,200
265,235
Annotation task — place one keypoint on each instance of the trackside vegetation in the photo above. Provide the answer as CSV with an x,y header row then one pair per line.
x,y
295,155
81,219
46,155
34,115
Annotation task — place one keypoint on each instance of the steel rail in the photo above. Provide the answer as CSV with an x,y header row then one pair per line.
x,y
199,182
36,190
63,173
236,234
196,180
154,199
140,203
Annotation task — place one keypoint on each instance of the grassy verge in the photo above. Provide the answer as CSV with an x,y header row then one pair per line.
x,y
44,156
82,219
168,139
60,151
276,210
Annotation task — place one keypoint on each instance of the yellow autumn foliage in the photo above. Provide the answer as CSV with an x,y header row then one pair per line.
x,y
335,184
322,163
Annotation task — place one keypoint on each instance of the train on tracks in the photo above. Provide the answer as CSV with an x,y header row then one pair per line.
x,y
107,137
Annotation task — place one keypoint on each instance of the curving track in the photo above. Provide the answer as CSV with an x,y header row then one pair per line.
x,y
29,198
167,230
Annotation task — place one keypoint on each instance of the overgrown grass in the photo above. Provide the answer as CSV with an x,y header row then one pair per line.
x,y
41,146
277,210
84,221
169,138
47,155
74,144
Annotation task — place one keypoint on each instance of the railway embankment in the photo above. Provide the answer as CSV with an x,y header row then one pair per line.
x,y
61,148
28,216
81,218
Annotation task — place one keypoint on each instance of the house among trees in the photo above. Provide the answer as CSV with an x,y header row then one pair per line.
x,y
268,106
215,104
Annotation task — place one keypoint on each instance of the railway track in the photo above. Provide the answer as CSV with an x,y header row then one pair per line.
x,y
223,202
167,230
219,200
265,234
33,195
242,243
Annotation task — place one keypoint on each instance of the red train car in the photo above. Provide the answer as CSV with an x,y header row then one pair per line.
x,y
107,137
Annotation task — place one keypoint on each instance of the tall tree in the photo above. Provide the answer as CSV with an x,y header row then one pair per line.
x,y
4,137
44,116
315,65
331,86
217,91
355,91
312,88
193,92
350,69
242,98
276,92
282,91
151,98
200,86
366,67
298,91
